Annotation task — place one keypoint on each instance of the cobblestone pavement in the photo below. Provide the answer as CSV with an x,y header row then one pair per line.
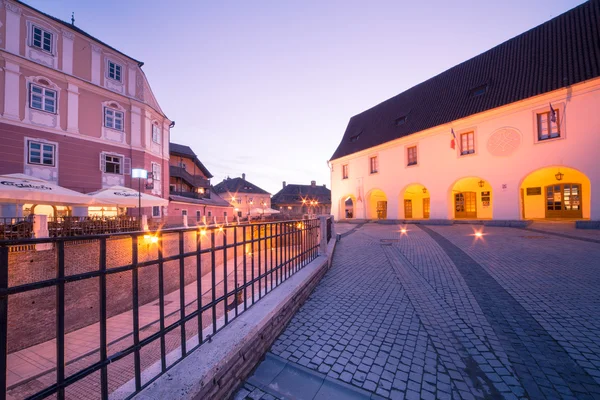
x,y
441,313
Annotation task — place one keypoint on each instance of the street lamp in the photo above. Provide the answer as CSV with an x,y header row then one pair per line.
x,y
141,174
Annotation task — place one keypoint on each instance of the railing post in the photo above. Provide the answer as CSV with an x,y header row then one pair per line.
x,y
3,319
323,235
144,222
40,230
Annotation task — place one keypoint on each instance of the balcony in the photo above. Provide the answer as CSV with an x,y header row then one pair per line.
x,y
191,195
193,180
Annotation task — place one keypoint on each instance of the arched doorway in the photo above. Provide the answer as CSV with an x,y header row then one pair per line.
x,y
347,207
555,192
471,198
414,202
376,204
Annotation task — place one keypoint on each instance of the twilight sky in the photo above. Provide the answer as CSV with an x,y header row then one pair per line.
x,y
267,87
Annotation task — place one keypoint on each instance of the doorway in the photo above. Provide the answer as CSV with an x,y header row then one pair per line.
x,y
465,205
381,209
563,201
408,208
426,208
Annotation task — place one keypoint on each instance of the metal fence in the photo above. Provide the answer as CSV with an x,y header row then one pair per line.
x,y
218,273
85,226
15,228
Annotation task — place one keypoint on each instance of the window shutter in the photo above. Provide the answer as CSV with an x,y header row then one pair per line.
x,y
127,166
102,162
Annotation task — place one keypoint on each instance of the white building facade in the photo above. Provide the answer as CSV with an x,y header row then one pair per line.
x,y
521,151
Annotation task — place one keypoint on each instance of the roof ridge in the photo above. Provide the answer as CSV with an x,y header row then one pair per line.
x,y
562,51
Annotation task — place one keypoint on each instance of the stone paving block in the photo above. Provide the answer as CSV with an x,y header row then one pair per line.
x,y
495,310
369,385
346,376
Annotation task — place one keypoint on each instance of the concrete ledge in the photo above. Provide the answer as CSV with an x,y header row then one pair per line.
x,y
352,221
587,224
435,222
510,223
217,368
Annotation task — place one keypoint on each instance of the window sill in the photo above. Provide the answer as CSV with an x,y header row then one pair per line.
x,y
114,129
41,165
549,139
345,178
373,172
44,111
50,53
412,165
466,155
120,82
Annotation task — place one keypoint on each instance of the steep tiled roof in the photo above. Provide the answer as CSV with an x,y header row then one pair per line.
x,y
214,200
293,194
561,52
238,185
186,151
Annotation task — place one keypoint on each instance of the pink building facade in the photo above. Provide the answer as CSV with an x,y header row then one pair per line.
x,y
73,110
190,191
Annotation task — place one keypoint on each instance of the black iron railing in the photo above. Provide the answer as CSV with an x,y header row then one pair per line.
x,y
329,221
112,313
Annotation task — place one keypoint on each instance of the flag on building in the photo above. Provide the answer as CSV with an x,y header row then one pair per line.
x,y
453,141
552,114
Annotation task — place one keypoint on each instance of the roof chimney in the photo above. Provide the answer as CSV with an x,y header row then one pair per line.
x,y
313,183
324,186
243,176
283,183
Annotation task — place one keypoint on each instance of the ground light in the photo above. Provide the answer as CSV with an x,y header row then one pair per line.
x,y
150,239
478,234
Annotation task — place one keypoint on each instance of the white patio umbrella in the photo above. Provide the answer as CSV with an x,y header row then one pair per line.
x,y
266,211
126,197
21,188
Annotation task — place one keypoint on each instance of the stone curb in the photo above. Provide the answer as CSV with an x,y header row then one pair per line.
x,y
217,368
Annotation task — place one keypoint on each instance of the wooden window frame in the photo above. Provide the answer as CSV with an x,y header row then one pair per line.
x,y
469,151
345,173
408,156
550,125
373,164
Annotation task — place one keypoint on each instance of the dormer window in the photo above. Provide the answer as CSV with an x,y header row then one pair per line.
x,y
41,39
478,90
401,120
355,137
114,71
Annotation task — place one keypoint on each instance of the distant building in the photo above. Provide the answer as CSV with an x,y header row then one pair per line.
x,y
75,111
295,200
243,196
190,190
509,134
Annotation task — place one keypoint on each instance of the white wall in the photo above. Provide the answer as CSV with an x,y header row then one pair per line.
x,y
439,167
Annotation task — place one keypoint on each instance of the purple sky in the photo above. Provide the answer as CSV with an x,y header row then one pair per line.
x,y
267,87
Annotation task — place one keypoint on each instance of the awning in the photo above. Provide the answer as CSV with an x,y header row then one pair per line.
x,y
265,211
126,197
21,188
